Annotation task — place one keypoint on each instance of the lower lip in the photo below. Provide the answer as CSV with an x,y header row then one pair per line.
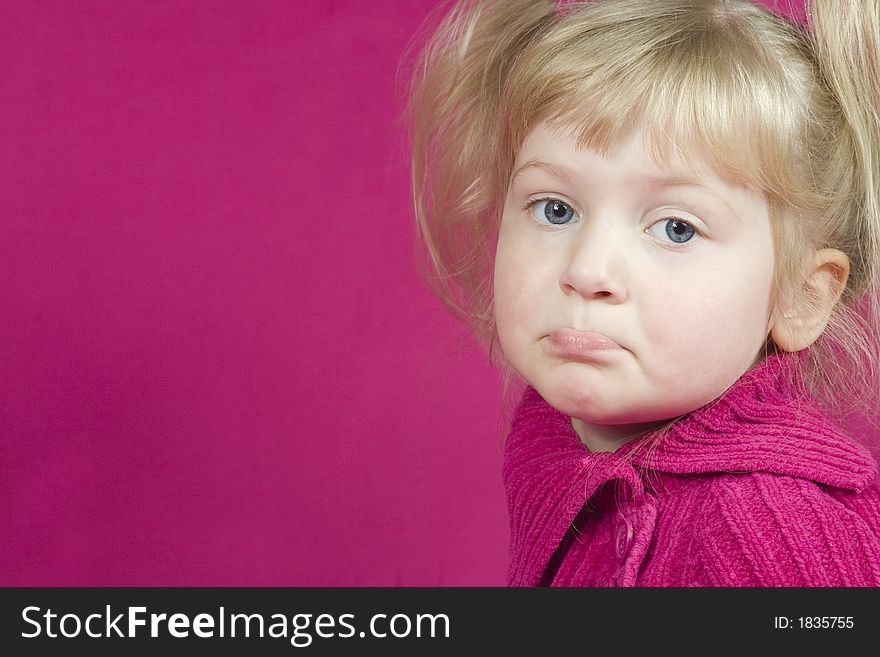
x,y
580,345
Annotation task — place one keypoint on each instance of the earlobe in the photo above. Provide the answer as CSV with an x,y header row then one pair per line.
x,y
798,326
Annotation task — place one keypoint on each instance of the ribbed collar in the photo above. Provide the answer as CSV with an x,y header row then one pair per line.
x,y
757,425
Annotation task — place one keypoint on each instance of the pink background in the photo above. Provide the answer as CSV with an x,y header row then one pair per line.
x,y
219,366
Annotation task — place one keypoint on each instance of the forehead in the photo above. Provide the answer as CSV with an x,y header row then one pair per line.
x,y
558,151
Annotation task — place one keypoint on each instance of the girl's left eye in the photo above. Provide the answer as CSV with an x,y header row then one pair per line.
x,y
676,230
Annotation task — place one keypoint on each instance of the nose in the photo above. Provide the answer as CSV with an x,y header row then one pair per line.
x,y
595,265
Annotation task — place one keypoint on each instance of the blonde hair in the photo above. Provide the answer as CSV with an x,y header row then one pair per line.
x,y
788,110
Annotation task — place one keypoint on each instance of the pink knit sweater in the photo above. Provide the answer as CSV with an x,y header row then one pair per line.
x,y
752,489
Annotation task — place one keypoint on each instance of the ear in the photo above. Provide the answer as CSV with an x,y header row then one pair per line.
x,y
798,326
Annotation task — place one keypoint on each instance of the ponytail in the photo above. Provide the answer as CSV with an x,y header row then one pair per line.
x,y
847,34
847,45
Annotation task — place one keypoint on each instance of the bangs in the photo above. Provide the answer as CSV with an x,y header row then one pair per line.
x,y
687,80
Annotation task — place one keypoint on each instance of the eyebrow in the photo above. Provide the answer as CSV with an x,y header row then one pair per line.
x,y
570,176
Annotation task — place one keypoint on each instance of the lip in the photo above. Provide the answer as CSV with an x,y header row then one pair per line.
x,y
581,345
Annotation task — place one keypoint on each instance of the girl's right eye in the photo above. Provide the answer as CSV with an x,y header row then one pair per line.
x,y
551,210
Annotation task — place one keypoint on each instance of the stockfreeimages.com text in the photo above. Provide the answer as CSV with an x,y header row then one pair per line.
x,y
135,621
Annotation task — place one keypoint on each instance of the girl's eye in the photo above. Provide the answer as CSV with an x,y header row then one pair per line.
x,y
675,229
552,210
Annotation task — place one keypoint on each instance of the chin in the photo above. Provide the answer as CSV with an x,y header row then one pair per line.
x,y
597,409
576,402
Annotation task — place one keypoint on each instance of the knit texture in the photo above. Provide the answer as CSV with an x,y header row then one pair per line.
x,y
757,488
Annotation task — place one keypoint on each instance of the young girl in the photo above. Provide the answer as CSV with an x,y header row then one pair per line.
x,y
663,218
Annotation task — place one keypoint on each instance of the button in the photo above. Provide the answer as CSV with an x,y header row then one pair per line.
x,y
624,539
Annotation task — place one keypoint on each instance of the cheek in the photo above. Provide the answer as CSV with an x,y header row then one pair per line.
x,y
520,285
504,285
710,323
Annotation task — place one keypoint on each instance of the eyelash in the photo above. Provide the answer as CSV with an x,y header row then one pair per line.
x,y
532,202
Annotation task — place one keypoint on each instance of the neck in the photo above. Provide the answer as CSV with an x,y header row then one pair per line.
x,y
611,437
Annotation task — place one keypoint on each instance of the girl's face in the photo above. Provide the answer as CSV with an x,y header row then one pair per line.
x,y
677,274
